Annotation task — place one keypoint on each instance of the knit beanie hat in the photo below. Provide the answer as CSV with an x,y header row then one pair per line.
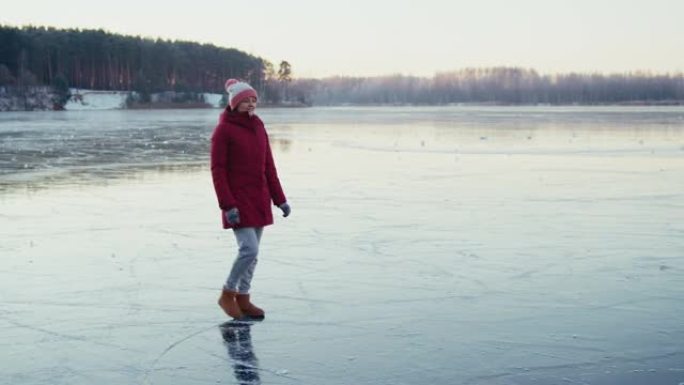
x,y
237,92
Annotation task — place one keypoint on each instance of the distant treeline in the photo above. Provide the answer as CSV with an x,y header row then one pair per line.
x,y
95,59
500,85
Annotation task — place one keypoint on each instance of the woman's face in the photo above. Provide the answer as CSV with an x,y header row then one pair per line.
x,y
248,105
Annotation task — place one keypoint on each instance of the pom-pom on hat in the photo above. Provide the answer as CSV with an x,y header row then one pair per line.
x,y
238,91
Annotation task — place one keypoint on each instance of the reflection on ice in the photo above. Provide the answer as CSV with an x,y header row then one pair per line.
x,y
47,147
238,340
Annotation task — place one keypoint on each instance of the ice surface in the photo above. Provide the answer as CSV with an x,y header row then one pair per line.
x,y
426,246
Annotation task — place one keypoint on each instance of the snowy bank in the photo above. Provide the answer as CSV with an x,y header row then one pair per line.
x,y
113,100
26,99
96,100
213,99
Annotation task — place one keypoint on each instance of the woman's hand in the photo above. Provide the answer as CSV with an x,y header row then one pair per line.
x,y
232,216
286,209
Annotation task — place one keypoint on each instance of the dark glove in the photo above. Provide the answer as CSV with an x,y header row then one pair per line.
x,y
232,216
286,209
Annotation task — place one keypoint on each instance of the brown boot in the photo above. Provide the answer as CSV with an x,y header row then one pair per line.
x,y
229,304
249,308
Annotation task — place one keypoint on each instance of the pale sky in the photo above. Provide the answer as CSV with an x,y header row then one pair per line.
x,y
356,37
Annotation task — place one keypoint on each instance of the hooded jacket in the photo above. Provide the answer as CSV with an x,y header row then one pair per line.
x,y
243,170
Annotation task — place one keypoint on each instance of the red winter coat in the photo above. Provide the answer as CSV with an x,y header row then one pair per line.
x,y
243,170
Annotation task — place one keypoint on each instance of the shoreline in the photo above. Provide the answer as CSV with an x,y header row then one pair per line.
x,y
42,99
205,106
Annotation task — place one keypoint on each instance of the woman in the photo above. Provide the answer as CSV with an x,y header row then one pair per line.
x,y
246,182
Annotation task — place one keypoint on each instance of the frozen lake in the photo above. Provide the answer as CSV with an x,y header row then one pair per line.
x,y
455,245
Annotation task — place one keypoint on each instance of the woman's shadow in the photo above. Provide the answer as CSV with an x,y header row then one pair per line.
x,y
238,340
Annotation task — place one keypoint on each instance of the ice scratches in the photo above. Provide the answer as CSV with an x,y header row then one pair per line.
x,y
332,324
589,171
565,348
97,305
171,347
495,151
175,233
62,374
295,264
530,272
305,299
598,363
584,308
619,304
67,336
420,300
248,366
648,198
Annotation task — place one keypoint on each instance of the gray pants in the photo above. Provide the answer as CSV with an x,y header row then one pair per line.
x,y
240,277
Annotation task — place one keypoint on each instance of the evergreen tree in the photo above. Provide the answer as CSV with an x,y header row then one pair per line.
x,y
95,59
60,87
